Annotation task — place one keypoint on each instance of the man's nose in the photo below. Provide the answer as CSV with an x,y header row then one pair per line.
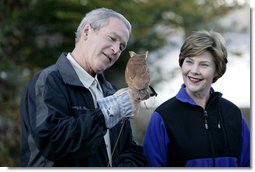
x,y
116,48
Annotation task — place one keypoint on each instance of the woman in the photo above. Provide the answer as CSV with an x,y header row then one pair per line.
x,y
198,127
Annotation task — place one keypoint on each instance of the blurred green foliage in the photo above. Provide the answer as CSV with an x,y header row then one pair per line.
x,y
33,33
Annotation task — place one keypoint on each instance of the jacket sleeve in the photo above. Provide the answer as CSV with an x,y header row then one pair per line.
x,y
127,153
244,160
156,142
57,133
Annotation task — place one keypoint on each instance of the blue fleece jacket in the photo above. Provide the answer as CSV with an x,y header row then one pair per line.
x,y
157,141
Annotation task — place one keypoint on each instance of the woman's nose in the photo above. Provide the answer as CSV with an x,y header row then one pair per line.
x,y
195,69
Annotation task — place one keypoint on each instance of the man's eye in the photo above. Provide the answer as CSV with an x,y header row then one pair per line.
x,y
122,47
112,38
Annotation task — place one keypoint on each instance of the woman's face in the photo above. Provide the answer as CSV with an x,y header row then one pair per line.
x,y
198,73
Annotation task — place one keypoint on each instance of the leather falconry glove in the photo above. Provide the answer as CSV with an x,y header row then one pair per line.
x,y
125,102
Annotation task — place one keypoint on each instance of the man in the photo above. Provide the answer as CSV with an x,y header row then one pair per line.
x,y
72,116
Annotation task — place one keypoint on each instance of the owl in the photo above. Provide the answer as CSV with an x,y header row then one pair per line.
x,y
137,76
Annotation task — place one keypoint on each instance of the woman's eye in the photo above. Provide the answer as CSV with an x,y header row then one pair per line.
x,y
204,65
189,61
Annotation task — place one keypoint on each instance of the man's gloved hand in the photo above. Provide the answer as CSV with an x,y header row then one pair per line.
x,y
117,106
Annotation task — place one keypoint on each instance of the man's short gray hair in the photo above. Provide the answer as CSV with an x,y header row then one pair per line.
x,y
98,18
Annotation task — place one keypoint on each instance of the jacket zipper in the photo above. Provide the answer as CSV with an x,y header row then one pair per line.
x,y
206,119
210,139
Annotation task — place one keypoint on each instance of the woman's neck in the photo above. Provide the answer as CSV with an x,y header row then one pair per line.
x,y
200,98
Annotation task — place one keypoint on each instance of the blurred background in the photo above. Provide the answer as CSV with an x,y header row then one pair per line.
x,y
33,34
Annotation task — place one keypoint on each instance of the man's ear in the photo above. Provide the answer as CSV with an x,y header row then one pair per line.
x,y
86,29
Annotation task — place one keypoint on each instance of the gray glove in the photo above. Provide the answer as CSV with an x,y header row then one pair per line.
x,y
118,106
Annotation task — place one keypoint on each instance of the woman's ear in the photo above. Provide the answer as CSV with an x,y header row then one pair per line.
x,y
215,77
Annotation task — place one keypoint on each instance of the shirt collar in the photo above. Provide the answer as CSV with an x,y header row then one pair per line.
x,y
83,75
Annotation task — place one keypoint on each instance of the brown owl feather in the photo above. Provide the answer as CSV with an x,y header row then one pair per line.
x,y
137,76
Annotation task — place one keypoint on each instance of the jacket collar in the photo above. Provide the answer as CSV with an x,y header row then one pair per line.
x,y
70,77
67,72
183,96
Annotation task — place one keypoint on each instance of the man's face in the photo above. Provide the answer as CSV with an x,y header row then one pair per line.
x,y
104,46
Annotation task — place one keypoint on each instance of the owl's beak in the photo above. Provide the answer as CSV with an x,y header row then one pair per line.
x,y
152,92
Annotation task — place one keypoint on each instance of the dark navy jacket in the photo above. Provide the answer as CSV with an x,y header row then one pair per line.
x,y
61,127
181,133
